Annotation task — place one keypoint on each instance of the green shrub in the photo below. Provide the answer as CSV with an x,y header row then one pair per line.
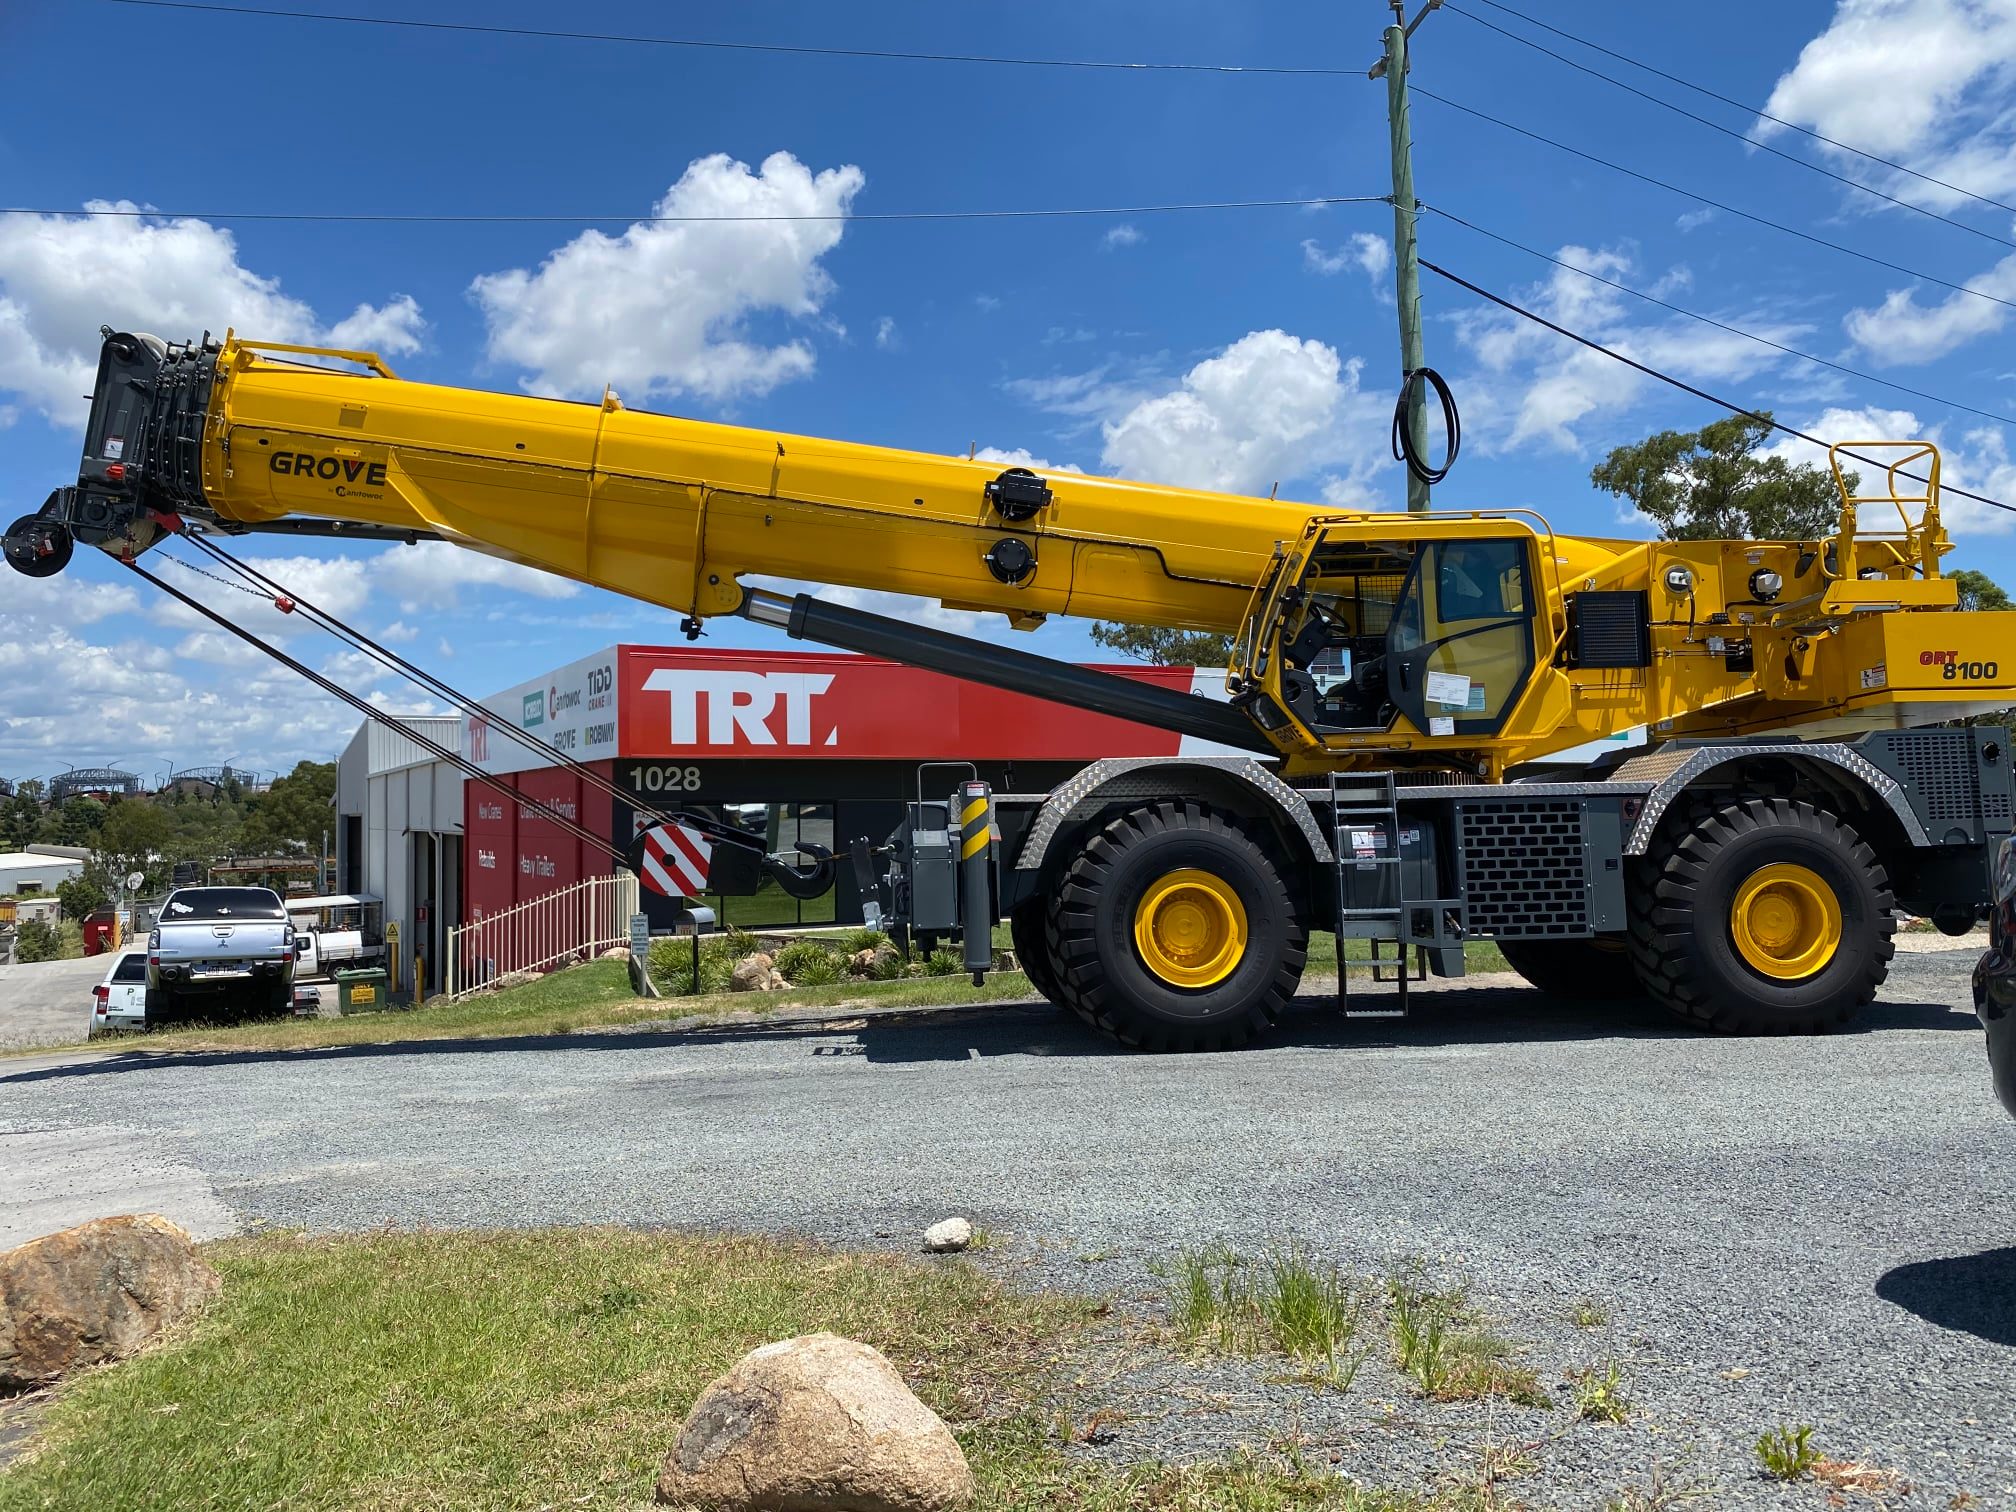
x,y
671,962
944,962
1787,1452
807,963
854,941
38,940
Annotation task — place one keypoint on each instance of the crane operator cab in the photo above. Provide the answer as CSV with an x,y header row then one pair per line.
x,y
1355,635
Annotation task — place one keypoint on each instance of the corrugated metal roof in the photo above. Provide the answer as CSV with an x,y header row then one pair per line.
x,y
392,750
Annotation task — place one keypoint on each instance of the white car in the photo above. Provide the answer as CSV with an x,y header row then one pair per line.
x,y
120,1001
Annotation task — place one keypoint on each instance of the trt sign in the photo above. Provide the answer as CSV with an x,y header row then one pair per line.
x,y
739,709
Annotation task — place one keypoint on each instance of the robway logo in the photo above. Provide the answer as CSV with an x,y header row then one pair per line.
x,y
535,710
740,708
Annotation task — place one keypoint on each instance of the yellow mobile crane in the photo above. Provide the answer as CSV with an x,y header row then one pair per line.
x,y
1397,678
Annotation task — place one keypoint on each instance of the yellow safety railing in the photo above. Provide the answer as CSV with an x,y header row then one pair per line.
x,y
1918,542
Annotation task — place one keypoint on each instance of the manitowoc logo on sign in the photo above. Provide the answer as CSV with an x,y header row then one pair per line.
x,y
744,708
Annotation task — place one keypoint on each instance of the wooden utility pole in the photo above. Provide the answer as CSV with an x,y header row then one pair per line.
x,y
1406,254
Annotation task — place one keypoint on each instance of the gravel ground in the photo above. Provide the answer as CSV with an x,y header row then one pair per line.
x,y
1809,1230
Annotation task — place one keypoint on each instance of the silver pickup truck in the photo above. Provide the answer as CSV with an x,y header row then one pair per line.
x,y
224,949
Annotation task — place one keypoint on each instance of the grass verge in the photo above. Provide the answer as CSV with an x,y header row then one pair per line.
x,y
597,996
594,996
553,1368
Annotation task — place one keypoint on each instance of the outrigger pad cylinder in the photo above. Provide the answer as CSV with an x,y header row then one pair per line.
x,y
974,804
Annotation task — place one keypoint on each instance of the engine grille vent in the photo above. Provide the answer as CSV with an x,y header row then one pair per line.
x,y
1940,765
1524,868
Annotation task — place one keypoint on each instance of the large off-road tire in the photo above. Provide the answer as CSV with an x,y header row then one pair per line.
x,y
1032,947
1761,917
1174,930
1585,970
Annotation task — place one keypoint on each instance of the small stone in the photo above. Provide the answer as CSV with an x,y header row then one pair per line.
x,y
615,953
752,973
814,1424
93,1293
949,1236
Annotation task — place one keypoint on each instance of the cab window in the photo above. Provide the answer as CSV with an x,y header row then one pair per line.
x,y
1461,651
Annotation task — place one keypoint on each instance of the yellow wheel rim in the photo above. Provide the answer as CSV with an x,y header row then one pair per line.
x,y
1190,929
1785,921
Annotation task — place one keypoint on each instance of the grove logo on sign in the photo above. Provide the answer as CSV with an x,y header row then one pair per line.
x,y
535,710
742,708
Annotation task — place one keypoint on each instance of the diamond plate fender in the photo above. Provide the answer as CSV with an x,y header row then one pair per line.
x,y
1163,777
1673,772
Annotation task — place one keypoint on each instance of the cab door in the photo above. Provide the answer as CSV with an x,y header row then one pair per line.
x,y
1461,648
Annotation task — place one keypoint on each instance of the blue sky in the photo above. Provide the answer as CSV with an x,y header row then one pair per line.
x,y
1231,349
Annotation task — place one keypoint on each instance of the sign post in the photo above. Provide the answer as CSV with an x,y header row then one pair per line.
x,y
640,956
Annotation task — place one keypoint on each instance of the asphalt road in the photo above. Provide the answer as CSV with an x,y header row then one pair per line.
x,y
48,1002
1802,1230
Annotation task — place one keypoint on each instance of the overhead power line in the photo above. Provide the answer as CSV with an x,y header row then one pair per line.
x,y
1710,320
1758,111
397,217
1730,131
1702,199
1105,65
1685,387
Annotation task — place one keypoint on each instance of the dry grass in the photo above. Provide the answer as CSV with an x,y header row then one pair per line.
x,y
1854,1475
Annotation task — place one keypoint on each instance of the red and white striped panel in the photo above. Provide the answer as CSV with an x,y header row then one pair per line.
x,y
675,860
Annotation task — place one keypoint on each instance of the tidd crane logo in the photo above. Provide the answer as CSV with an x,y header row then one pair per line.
x,y
743,708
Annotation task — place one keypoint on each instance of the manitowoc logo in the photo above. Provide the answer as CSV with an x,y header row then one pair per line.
x,y
741,708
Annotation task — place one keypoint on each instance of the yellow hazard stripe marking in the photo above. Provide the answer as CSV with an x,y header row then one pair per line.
x,y
973,846
973,811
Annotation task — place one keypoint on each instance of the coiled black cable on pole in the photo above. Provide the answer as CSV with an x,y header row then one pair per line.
x,y
1403,433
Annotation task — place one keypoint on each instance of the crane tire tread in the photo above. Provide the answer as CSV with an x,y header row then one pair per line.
x,y
1679,906
1101,977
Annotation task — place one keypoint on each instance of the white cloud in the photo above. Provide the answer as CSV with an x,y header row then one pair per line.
x,y
887,337
70,599
63,276
1923,81
218,649
1017,456
391,329
430,573
1126,234
1368,254
1539,387
1902,331
664,308
1269,407
398,633
1694,220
